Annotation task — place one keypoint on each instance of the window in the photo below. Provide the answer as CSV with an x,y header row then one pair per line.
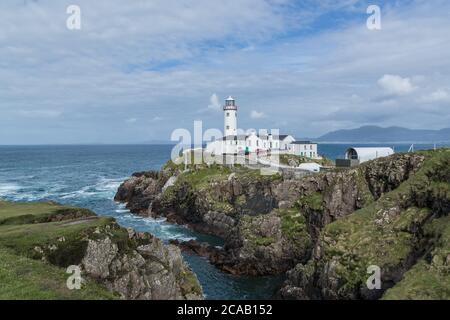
x,y
310,147
228,127
228,114
257,143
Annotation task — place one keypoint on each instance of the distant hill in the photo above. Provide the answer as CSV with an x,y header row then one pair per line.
x,y
390,134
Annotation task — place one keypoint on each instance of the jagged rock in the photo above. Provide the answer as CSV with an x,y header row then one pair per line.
x,y
319,226
389,233
98,257
151,271
170,182
114,261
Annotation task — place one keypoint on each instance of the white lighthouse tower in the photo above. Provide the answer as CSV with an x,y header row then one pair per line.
x,y
230,117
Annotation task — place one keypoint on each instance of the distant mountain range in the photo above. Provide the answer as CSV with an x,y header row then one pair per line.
x,y
391,134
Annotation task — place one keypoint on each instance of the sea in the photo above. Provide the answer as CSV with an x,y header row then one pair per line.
x,y
89,175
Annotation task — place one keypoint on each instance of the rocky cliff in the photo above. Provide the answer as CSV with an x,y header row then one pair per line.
x,y
128,264
404,232
323,228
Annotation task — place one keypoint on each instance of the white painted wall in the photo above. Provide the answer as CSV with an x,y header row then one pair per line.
x,y
369,153
284,144
230,122
306,150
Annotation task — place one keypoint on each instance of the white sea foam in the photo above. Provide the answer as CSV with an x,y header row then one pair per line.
x,y
104,188
8,189
154,220
82,193
110,183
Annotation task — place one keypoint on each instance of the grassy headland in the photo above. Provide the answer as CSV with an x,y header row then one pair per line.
x,y
25,227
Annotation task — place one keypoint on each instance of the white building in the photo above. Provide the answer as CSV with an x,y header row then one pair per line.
x,y
230,117
366,154
234,143
304,148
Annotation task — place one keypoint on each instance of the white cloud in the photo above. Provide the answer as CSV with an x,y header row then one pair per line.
x,y
40,113
439,95
396,85
155,119
256,114
131,120
171,53
214,103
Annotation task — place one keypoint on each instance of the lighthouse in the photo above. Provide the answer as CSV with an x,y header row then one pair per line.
x,y
230,117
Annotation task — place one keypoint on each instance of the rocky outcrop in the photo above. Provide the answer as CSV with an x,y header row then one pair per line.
x,y
140,190
386,174
390,233
149,271
129,264
325,230
269,223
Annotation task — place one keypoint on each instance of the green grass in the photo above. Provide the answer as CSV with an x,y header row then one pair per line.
x,y
11,209
286,158
429,278
22,213
22,278
313,201
263,241
375,235
202,177
421,282
23,238
293,224
251,176
189,284
30,232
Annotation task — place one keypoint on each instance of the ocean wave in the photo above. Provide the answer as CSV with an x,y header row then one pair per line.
x,y
8,189
105,188
157,226
81,193
109,184
122,210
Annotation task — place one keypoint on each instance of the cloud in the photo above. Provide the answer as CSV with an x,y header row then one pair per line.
x,y
396,85
256,114
439,95
155,119
49,114
131,120
214,103
303,59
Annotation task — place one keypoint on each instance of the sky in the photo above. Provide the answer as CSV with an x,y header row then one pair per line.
x,y
137,70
